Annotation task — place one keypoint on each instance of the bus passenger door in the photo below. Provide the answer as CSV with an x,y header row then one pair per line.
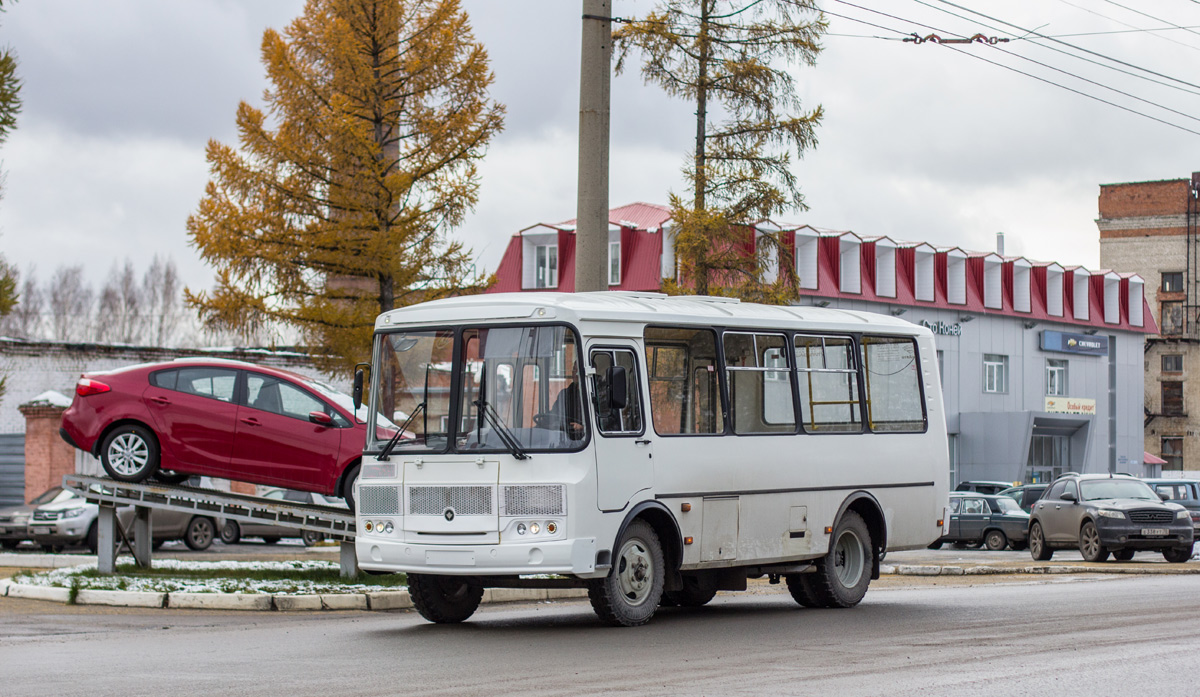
x,y
623,444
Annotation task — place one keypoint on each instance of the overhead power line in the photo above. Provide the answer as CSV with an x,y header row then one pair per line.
x,y
1021,72
1127,24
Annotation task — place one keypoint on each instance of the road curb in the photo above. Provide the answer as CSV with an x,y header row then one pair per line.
x,y
1044,569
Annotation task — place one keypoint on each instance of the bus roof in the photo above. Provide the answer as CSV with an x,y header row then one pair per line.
x,y
638,308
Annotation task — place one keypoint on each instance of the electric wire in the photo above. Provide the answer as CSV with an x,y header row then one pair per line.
x,y
1066,53
1073,46
1008,67
1149,16
1134,26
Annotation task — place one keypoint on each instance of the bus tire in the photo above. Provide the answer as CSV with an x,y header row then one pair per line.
x,y
844,573
698,590
631,592
801,589
443,599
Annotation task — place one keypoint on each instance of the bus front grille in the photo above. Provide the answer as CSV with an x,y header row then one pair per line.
x,y
463,500
379,500
535,499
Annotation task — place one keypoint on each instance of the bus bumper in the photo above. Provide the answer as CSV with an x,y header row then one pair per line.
x,y
576,557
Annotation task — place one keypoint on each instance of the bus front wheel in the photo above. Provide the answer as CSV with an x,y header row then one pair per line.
x,y
443,599
844,573
631,592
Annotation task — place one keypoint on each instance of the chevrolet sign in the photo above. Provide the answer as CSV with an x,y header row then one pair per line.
x,y
1085,344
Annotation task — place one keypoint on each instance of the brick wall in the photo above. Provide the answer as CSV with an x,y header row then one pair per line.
x,y
1135,199
1148,257
47,455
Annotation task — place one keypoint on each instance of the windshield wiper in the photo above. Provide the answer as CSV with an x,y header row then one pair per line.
x,y
391,444
506,436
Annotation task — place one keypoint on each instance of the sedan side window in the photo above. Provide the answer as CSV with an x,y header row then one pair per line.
x,y
973,506
214,383
278,397
954,504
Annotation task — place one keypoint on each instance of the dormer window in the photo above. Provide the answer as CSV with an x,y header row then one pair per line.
x,y
545,266
614,263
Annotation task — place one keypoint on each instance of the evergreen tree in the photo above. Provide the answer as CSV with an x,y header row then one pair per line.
x,y
722,56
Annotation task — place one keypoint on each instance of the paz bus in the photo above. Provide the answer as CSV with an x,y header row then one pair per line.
x,y
651,449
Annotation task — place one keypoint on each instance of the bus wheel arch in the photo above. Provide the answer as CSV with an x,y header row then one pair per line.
x,y
867,507
659,517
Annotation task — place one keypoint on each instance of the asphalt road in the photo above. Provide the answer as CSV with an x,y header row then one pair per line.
x,y
1089,635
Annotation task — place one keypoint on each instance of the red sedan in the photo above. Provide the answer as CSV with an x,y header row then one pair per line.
x,y
218,418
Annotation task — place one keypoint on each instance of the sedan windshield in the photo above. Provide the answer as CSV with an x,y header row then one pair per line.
x,y
1097,489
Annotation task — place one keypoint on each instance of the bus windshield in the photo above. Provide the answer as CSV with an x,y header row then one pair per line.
x,y
518,388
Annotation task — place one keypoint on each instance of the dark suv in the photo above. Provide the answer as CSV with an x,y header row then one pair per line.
x,y
1100,514
1025,494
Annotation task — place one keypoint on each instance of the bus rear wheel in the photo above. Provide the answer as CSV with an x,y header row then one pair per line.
x,y
631,592
443,599
844,573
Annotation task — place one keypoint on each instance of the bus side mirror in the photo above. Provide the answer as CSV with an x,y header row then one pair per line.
x,y
618,387
357,394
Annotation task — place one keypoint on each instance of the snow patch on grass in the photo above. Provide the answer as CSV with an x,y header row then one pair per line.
x,y
174,576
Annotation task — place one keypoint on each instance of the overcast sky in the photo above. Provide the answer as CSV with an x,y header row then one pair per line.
x,y
919,142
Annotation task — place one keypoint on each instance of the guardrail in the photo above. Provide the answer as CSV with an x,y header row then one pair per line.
x,y
334,523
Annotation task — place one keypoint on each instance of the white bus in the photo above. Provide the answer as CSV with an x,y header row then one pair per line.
x,y
652,449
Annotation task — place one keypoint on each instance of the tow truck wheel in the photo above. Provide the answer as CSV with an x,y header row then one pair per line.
x,y
443,599
631,592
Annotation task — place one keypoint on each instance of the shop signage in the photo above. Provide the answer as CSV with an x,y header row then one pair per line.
x,y
942,328
1063,342
1070,405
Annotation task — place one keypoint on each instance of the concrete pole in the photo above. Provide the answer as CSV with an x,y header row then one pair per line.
x,y
595,70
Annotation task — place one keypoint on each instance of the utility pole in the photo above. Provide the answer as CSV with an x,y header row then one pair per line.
x,y
595,71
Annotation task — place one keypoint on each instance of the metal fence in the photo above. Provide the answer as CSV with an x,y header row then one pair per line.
x,y
12,469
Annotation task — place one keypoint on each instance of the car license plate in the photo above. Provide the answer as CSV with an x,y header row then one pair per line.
x,y
1154,532
41,531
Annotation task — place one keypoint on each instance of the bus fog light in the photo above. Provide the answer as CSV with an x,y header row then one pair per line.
x,y
534,528
388,528
551,527
520,528
367,526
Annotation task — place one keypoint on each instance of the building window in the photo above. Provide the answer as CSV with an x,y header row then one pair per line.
x,y
1172,452
1172,399
995,373
546,265
1172,282
1056,377
614,263
1172,364
1171,314
941,356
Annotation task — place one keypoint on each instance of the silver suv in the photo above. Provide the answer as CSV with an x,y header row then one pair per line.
x,y
1099,514
69,520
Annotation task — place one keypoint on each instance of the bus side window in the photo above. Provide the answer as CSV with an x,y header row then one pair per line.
x,y
618,421
893,376
828,381
685,393
760,395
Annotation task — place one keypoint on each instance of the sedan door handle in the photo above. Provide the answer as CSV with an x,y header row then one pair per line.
x,y
160,401
251,421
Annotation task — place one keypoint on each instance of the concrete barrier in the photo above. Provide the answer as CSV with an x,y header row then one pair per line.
x,y
20,590
291,603
120,598
220,601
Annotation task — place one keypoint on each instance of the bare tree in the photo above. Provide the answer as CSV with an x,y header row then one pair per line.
x,y
121,307
161,295
70,299
25,320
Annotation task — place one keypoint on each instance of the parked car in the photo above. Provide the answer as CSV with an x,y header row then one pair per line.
x,y
992,521
233,531
219,418
14,520
69,520
1025,494
1099,514
1185,492
982,487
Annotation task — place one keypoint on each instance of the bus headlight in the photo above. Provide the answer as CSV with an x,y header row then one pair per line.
x,y
520,528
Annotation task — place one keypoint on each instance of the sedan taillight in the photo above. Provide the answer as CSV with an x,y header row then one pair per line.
x,y
88,386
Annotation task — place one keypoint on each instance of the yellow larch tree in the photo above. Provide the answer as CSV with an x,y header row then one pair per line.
x,y
340,202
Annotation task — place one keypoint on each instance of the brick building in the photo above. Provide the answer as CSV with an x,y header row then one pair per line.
x,y
1150,228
